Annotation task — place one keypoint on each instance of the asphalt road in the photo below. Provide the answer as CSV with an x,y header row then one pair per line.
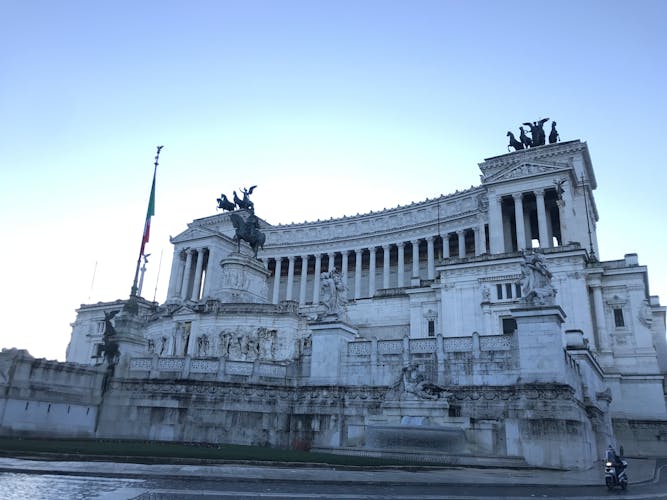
x,y
44,486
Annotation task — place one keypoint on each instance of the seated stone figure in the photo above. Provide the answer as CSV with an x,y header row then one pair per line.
x,y
536,287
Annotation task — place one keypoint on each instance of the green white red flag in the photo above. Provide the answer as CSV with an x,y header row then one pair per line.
x,y
149,213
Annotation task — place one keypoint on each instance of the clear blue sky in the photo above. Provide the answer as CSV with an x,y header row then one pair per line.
x,y
330,107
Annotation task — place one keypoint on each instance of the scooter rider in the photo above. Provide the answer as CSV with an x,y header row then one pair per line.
x,y
615,460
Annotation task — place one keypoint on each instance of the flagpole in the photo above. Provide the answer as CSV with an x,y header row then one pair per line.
x,y
144,237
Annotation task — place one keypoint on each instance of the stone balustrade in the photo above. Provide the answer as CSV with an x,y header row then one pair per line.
x,y
204,368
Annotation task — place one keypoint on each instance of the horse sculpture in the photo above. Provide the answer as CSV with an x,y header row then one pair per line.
x,y
248,230
525,140
513,142
245,202
225,204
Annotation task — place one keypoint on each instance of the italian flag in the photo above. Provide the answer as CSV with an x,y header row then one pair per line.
x,y
149,213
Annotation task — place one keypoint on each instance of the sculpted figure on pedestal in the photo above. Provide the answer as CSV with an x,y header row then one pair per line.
x,y
202,345
536,287
110,349
416,384
332,293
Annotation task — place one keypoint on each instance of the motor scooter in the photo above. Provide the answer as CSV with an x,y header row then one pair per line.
x,y
615,470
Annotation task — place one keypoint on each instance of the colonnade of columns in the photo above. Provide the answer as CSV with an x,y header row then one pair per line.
x,y
364,263
188,274
510,219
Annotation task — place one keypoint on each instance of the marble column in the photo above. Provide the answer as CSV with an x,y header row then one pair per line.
x,y
357,273
496,235
186,274
565,207
401,264
198,274
304,280
316,279
276,279
175,280
415,259
330,261
385,266
344,271
600,323
371,271
480,242
542,219
430,252
445,246
290,277
521,241
462,242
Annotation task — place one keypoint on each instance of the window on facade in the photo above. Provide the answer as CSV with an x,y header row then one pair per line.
x,y
431,328
100,327
618,317
518,290
508,290
97,351
454,411
499,290
509,325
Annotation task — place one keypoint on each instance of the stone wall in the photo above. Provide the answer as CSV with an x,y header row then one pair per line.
x,y
450,361
48,398
197,411
641,438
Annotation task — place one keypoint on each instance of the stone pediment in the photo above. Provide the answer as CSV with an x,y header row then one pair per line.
x,y
183,311
191,233
527,169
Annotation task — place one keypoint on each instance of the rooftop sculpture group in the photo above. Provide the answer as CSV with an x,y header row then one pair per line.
x,y
242,203
537,135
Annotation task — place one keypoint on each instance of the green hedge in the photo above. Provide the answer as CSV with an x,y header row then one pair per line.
x,y
169,450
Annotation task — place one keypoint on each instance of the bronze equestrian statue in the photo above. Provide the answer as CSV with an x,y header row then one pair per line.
x,y
248,230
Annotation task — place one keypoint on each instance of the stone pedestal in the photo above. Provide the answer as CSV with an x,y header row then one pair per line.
x,y
244,280
329,349
541,343
129,338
